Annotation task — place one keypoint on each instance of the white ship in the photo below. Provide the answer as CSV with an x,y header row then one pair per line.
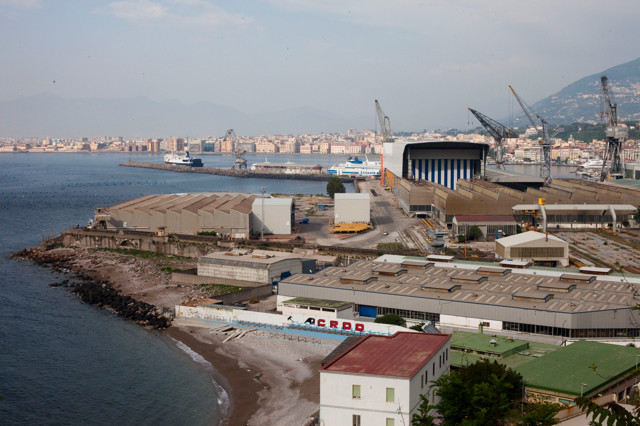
x,y
592,164
182,160
356,167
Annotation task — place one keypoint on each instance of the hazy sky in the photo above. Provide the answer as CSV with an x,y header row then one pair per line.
x,y
425,61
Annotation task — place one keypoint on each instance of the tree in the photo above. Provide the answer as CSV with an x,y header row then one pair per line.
x,y
474,233
422,417
393,319
612,414
417,327
636,215
335,186
484,393
539,413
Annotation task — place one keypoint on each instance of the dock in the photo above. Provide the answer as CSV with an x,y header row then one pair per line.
x,y
232,172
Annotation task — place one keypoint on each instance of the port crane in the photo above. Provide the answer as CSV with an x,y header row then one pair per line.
x,y
385,124
240,162
615,133
545,170
499,133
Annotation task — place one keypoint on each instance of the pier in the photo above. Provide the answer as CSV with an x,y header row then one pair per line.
x,y
232,172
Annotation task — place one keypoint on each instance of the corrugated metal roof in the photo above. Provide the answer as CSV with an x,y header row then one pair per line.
x,y
400,355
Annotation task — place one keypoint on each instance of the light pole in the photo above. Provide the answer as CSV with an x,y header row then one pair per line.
x,y
582,385
262,188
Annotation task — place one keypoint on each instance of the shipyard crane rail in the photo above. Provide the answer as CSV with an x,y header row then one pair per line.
x,y
545,169
499,133
615,133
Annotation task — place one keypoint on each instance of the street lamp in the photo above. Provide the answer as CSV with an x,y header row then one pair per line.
x,y
582,385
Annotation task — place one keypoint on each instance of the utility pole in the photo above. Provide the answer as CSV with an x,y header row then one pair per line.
x,y
262,188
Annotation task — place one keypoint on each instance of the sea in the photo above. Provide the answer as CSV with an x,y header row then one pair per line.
x,y
63,362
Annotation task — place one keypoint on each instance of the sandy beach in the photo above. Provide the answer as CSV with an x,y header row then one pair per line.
x,y
269,381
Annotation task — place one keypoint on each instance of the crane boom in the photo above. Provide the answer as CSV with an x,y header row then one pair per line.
x,y
545,169
385,125
616,134
498,131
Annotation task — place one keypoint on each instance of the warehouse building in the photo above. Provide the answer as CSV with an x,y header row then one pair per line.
x,y
379,380
583,368
541,249
232,215
463,294
352,208
257,266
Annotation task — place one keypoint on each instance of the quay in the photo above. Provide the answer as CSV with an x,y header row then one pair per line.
x,y
232,172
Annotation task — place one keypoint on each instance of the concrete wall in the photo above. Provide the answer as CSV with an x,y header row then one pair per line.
x,y
277,217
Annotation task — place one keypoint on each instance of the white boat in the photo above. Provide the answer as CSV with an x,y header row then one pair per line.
x,y
356,167
182,160
593,164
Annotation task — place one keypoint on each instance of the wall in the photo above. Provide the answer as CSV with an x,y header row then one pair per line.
x,y
469,322
352,208
337,405
299,321
190,278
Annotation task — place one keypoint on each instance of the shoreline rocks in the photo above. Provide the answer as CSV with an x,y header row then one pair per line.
x,y
93,292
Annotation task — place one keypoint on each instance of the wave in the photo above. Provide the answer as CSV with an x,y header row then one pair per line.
x,y
192,354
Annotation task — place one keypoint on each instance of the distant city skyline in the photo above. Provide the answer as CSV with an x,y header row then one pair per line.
x,y
425,61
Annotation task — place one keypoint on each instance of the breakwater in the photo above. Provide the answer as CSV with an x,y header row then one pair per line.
x,y
231,172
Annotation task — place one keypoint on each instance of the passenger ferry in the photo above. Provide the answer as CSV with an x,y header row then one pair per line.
x,y
356,167
182,160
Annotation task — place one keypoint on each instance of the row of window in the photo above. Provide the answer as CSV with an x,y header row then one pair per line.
x,y
390,393
565,332
356,421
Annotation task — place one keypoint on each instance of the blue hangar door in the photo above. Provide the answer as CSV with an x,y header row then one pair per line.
x,y
368,311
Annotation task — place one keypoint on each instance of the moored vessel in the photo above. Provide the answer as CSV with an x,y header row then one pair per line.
x,y
182,160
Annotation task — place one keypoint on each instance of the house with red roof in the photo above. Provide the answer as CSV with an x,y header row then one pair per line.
x,y
379,379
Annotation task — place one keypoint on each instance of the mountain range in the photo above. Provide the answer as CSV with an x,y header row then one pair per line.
x,y
55,116
581,101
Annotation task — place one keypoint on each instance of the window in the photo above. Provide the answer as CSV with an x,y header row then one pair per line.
x,y
434,368
422,381
391,394
390,422
355,391
355,420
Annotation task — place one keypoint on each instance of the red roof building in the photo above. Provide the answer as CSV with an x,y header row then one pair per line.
x,y
379,379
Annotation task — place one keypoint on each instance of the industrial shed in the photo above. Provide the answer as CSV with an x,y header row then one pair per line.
x,y
352,208
490,225
229,214
278,215
535,246
258,266
225,213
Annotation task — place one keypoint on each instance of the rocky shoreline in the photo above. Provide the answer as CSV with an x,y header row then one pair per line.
x,y
99,293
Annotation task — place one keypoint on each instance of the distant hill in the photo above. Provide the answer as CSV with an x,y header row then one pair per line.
x,y
580,102
51,115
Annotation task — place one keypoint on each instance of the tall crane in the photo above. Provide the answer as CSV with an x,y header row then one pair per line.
x,y
239,162
616,134
545,170
499,133
385,125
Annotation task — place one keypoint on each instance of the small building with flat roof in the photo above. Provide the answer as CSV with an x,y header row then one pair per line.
x,y
539,248
379,380
317,307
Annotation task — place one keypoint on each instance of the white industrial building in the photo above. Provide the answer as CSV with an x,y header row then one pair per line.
x,y
317,307
352,208
535,247
258,266
379,380
272,215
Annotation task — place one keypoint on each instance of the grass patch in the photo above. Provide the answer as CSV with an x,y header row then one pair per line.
x,y
208,233
169,269
391,246
219,289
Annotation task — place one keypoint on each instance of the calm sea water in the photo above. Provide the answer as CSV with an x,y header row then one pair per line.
x,y
63,362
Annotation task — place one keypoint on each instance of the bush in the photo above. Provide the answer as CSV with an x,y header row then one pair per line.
x,y
393,319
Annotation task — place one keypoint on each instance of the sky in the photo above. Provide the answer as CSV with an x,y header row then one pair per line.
x,y
426,61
